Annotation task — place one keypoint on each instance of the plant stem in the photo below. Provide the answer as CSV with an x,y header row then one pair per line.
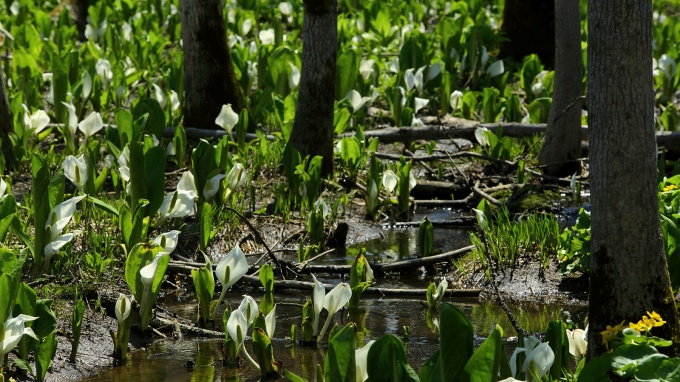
x,y
245,352
323,330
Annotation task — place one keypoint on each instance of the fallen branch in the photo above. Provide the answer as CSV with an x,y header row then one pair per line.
x,y
486,196
397,266
259,238
459,222
308,287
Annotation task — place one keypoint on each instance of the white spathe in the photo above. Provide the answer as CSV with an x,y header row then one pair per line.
x,y
91,124
14,329
249,309
212,186
167,240
75,169
361,360
230,269
237,176
389,180
227,118
123,307
455,100
318,297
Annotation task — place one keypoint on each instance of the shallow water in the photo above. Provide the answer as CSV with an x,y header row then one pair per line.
x,y
196,359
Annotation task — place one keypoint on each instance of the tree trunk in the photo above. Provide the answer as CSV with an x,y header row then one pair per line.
x,y
209,77
562,141
628,270
80,17
529,26
6,126
313,126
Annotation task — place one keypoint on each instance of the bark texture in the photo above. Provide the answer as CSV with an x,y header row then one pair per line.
x,y
209,77
562,141
313,126
80,17
6,125
628,270
529,26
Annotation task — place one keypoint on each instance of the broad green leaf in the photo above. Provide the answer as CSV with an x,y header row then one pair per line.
x,y
559,343
204,284
125,127
387,361
539,110
339,364
430,371
141,255
45,353
155,124
485,362
205,224
455,339
41,209
102,205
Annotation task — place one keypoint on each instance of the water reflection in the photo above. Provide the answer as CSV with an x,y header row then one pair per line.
x,y
200,360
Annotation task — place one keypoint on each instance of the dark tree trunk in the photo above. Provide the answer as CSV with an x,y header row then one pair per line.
x,y
313,126
529,26
6,126
628,270
562,141
80,16
209,77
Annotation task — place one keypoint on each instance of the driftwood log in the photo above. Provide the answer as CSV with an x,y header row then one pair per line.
x,y
397,266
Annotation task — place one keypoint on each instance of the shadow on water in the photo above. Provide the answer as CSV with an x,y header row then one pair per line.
x,y
194,359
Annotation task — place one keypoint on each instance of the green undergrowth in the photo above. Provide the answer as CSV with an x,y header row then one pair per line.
x,y
503,241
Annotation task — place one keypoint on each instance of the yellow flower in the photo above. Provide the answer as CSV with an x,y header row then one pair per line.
x,y
670,188
656,318
610,333
641,326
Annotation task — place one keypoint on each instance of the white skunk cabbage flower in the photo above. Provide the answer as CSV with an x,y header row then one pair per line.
x,y
75,169
227,118
91,124
167,240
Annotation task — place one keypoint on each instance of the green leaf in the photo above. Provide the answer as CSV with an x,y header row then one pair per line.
x,y
559,343
205,214
45,353
293,377
264,353
659,369
9,287
539,110
102,205
155,124
626,358
425,237
76,327
596,369
339,364
387,361
46,323
485,362
60,85
141,255
125,127
346,73
429,372
204,284
455,339
41,209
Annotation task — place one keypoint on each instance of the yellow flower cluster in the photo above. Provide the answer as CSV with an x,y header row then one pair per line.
x,y
670,188
648,322
610,333
651,320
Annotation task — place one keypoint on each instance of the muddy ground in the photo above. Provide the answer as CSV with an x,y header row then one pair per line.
x,y
525,283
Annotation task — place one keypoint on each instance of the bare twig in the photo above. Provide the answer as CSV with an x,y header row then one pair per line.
x,y
259,238
486,196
